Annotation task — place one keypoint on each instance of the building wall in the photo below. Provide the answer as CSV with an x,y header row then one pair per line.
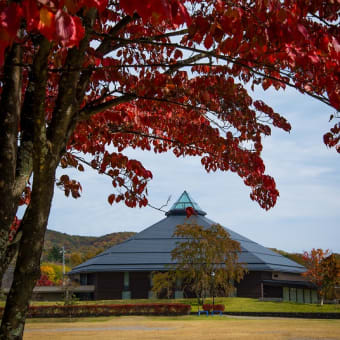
x,y
288,276
109,286
272,292
250,285
140,285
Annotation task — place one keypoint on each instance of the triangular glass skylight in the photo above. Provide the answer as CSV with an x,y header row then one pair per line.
x,y
184,202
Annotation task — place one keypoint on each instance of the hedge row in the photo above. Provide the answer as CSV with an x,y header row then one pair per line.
x,y
105,310
209,307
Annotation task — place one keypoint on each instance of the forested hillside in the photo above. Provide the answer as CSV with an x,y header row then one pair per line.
x,y
78,248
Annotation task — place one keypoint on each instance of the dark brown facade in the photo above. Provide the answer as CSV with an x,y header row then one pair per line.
x,y
108,286
250,286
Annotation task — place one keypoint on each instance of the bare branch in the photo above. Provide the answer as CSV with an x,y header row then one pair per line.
x,y
80,159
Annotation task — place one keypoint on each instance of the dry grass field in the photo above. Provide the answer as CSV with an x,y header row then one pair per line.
x,y
182,328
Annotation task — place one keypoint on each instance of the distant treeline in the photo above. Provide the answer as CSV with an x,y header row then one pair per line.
x,y
78,248
298,257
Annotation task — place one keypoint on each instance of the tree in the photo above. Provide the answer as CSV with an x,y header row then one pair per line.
x,y
207,259
75,259
58,272
322,270
79,76
54,254
164,282
49,272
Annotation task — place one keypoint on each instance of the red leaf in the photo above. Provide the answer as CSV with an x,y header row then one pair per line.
x,y
64,179
266,83
180,14
69,29
99,4
208,41
336,45
31,14
129,6
46,24
190,211
178,54
10,19
9,24
111,199
302,29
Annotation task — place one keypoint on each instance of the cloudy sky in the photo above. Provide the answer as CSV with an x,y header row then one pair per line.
x,y
306,216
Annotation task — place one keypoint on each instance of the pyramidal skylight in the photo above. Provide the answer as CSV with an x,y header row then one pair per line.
x,y
185,201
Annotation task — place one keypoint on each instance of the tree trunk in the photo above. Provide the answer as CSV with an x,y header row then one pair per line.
x,y
9,119
8,258
27,269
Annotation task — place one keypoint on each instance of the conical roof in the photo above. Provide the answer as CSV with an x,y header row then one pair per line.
x,y
150,250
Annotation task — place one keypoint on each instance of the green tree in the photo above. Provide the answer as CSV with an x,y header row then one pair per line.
x,y
207,260
54,255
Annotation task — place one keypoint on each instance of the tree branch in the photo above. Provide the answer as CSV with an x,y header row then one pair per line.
x,y
87,111
230,60
105,47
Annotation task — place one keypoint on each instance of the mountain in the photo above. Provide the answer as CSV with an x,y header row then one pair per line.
x,y
82,247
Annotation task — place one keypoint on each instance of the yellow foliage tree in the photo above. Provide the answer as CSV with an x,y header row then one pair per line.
x,y
58,271
49,272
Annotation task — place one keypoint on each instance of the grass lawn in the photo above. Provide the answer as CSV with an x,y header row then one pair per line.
x,y
181,328
233,304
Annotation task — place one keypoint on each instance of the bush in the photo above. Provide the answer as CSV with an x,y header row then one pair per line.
x,y
106,310
209,307
219,308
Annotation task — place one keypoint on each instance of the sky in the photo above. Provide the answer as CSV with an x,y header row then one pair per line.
x,y
306,216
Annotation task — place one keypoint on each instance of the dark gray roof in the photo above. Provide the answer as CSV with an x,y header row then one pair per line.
x,y
151,249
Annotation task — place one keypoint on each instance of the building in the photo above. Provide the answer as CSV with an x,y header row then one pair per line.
x,y
45,293
124,270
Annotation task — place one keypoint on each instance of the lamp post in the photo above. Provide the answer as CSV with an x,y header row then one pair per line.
x,y
62,251
213,290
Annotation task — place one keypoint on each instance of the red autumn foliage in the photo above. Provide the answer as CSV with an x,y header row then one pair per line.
x,y
216,307
14,228
44,281
322,269
105,310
